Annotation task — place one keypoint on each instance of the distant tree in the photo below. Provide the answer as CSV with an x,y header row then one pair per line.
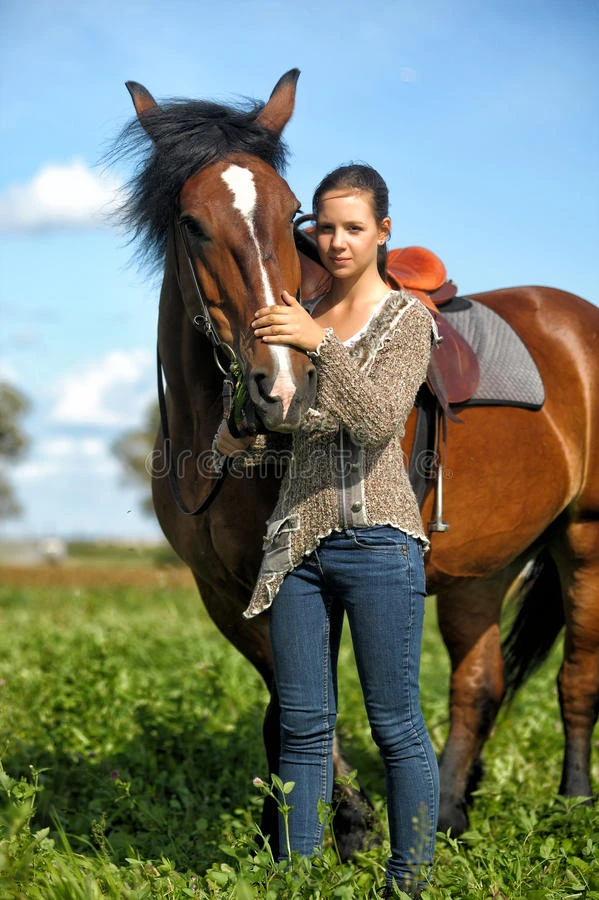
x,y
132,448
13,443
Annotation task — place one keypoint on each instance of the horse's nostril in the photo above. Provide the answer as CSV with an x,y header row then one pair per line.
x,y
259,380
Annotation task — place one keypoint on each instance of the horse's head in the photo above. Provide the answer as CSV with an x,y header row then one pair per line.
x,y
231,234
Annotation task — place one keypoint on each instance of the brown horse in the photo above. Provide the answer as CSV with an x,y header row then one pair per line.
x,y
525,485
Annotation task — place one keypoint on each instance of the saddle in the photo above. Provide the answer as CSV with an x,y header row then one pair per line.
x,y
454,366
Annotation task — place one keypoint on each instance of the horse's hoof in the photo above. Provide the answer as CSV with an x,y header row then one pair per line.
x,y
354,825
453,818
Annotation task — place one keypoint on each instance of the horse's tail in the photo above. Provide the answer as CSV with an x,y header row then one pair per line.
x,y
538,620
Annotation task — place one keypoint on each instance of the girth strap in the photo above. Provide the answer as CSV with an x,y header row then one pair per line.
x,y
422,461
425,468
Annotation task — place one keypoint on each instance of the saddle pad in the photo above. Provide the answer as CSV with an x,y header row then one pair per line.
x,y
508,374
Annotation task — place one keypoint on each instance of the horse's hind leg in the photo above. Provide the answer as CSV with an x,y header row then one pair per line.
x,y
578,679
469,616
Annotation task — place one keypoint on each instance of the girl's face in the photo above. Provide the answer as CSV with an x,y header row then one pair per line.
x,y
347,233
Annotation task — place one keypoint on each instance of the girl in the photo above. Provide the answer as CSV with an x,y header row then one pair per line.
x,y
346,535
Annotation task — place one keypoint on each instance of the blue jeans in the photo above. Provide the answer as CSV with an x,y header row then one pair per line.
x,y
376,576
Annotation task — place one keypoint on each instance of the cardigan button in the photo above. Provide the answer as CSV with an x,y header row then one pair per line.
x,y
356,507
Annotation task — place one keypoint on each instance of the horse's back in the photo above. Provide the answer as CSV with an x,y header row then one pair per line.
x,y
547,312
539,462
561,331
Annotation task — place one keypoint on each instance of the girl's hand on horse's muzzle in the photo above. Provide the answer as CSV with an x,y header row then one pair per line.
x,y
288,323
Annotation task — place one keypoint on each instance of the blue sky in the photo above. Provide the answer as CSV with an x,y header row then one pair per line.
x,y
482,117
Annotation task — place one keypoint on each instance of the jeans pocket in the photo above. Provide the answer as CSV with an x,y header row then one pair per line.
x,y
277,544
380,539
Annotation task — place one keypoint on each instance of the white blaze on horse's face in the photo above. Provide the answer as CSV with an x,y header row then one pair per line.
x,y
240,182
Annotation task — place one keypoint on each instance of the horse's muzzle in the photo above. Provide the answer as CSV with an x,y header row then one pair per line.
x,y
281,403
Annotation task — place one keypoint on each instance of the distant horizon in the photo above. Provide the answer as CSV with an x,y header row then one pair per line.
x,y
100,540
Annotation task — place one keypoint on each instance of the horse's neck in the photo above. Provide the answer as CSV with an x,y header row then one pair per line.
x,y
194,383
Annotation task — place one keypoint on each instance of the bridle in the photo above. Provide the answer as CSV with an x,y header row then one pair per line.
x,y
233,384
195,305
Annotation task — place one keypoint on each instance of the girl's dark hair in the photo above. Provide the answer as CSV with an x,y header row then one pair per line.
x,y
359,177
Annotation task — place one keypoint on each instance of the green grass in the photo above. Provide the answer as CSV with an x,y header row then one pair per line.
x,y
130,734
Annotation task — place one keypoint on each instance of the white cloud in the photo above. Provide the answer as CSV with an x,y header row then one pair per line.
x,y
8,372
66,457
57,447
36,470
68,446
59,196
71,484
112,392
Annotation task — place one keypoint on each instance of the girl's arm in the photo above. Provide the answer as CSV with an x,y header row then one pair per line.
x,y
373,408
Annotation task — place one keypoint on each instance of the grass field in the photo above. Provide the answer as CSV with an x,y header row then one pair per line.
x,y
130,735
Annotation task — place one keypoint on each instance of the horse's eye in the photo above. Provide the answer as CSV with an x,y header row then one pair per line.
x,y
193,228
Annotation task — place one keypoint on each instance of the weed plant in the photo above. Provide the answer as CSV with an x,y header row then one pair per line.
x,y
132,766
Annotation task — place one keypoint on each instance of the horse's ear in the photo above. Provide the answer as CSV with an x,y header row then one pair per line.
x,y
143,102
279,108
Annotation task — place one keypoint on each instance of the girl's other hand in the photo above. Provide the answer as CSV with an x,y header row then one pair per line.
x,y
228,445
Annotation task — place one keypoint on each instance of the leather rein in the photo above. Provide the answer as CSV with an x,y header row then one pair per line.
x,y
233,386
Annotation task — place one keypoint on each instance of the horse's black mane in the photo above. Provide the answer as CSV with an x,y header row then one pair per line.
x,y
187,135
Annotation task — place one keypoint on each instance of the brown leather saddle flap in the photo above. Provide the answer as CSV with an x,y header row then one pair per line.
x,y
457,363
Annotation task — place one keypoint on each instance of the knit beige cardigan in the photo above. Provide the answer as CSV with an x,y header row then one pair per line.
x,y
365,393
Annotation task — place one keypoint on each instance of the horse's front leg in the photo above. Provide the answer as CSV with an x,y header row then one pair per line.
x,y
469,615
353,821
